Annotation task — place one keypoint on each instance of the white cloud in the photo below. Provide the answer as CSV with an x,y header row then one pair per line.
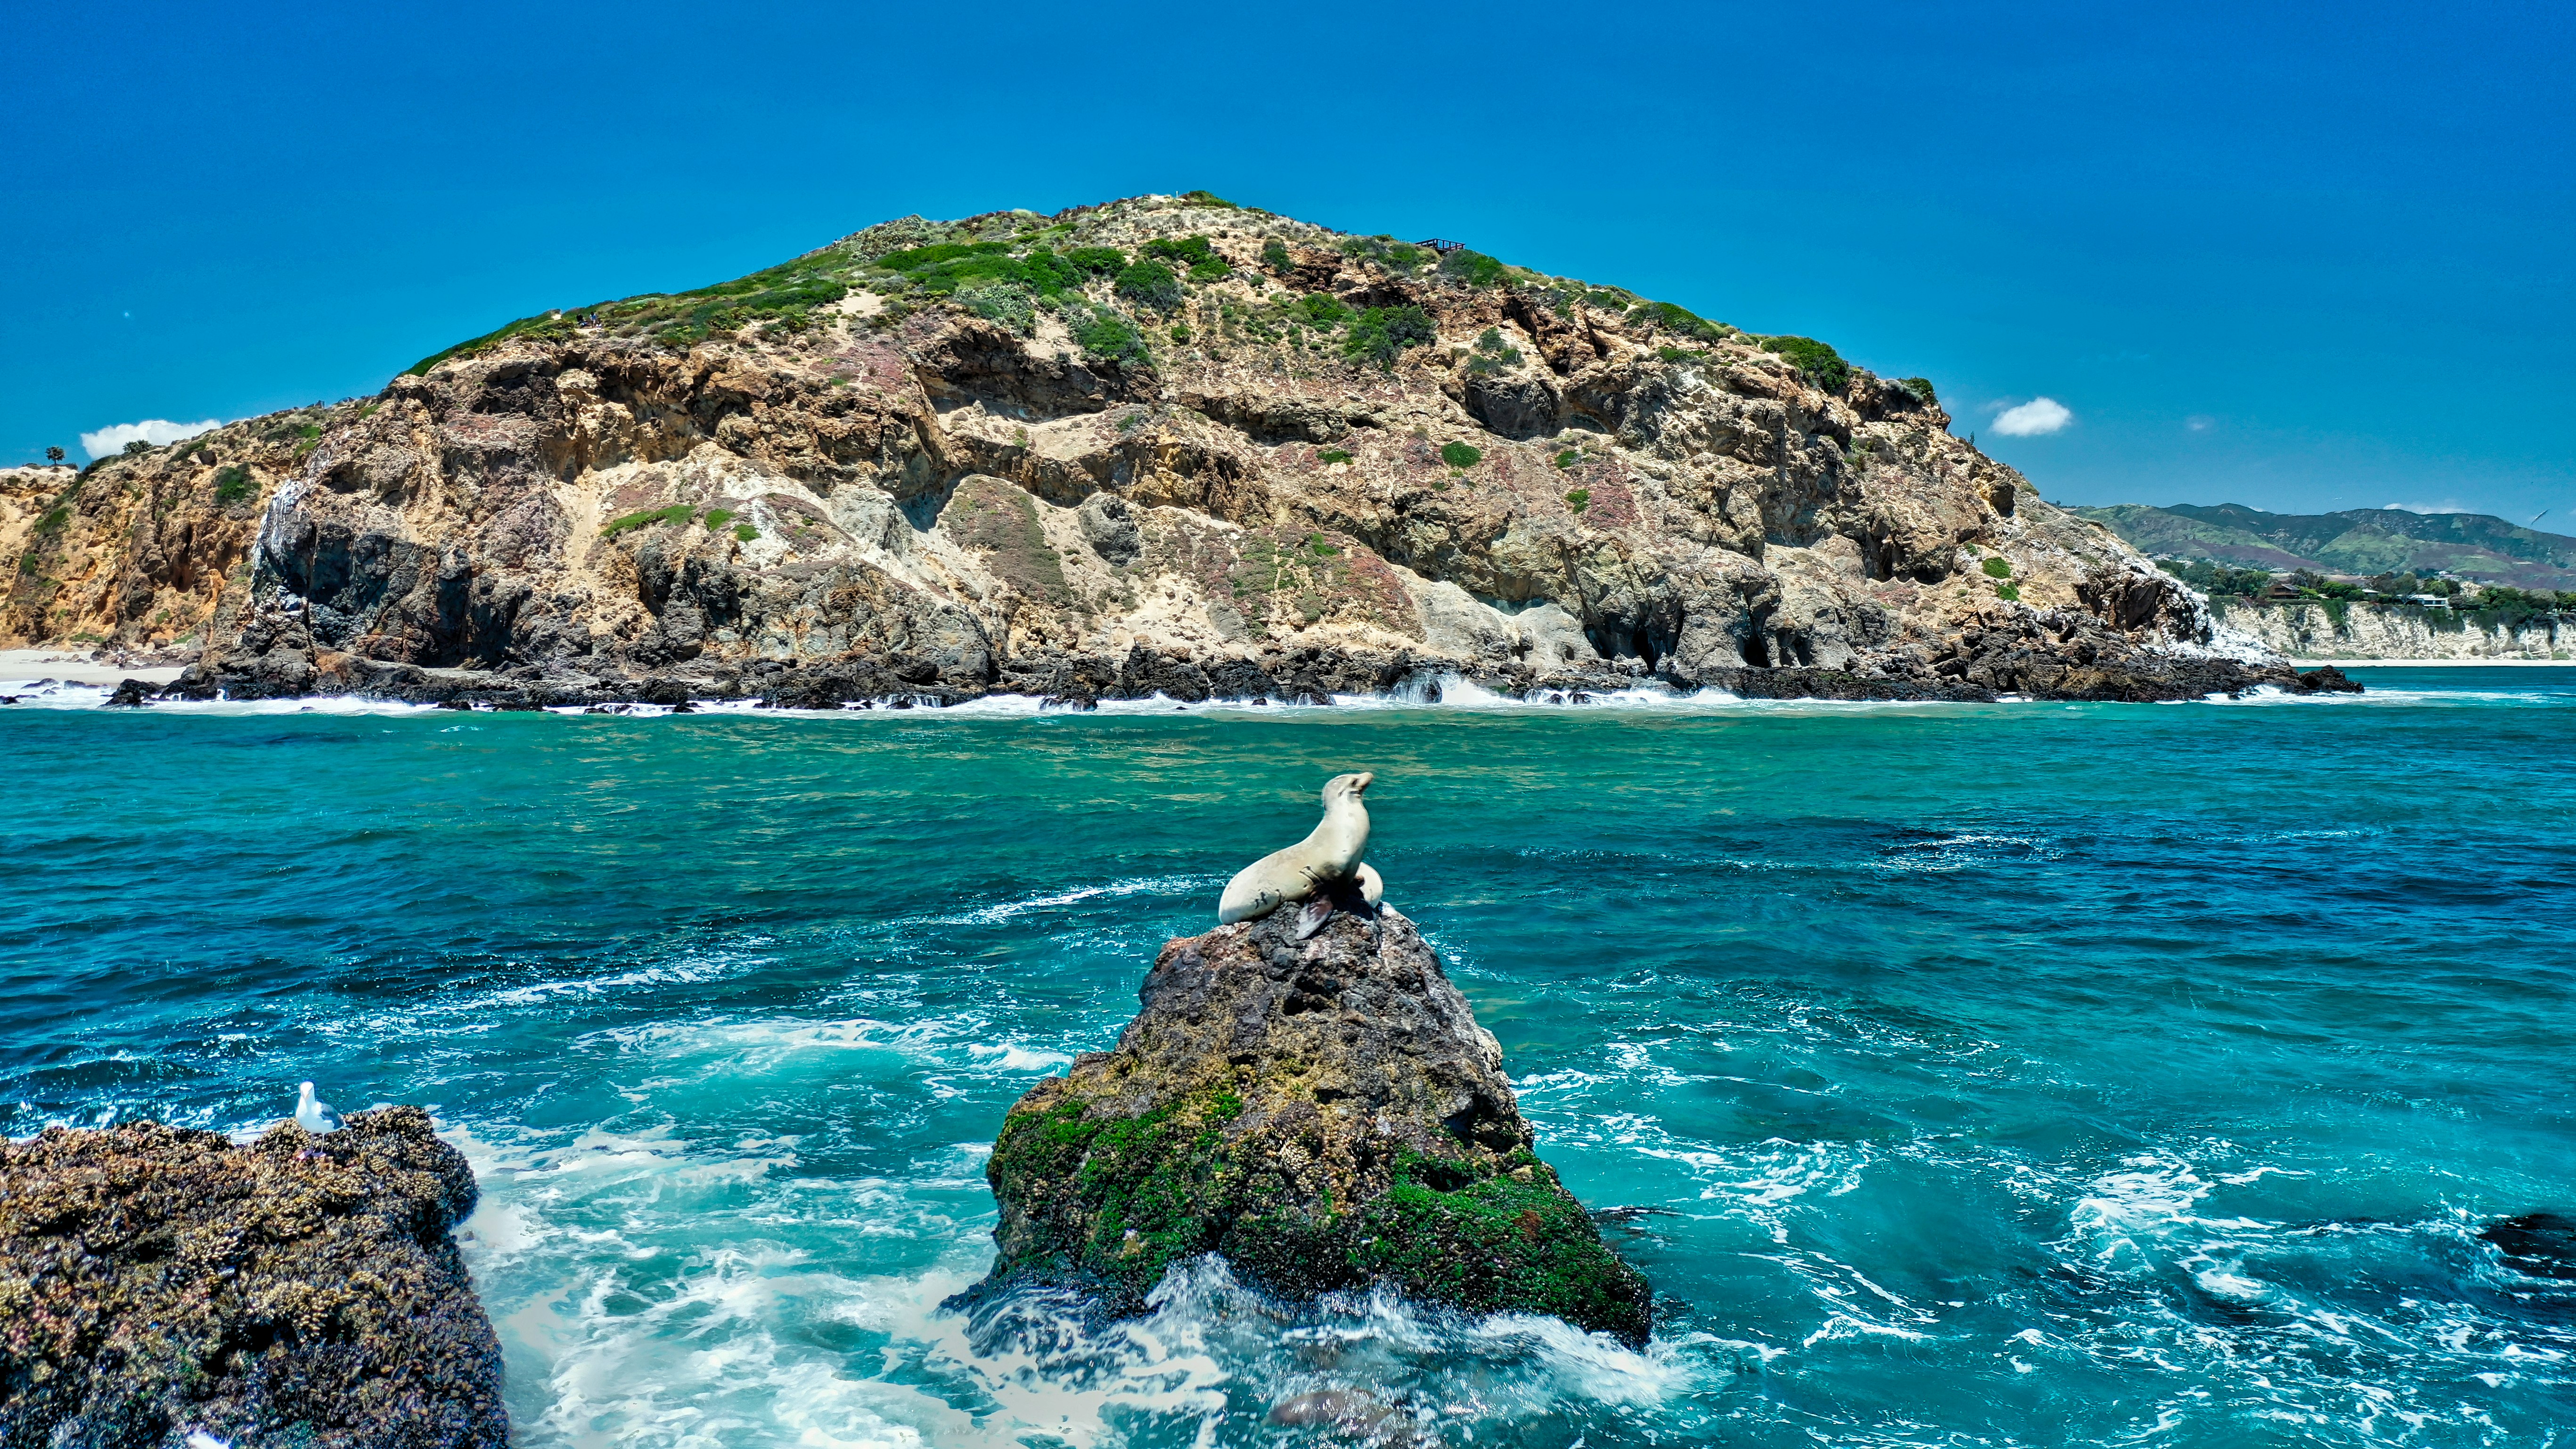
x,y
2036,418
155,431
2200,422
2447,505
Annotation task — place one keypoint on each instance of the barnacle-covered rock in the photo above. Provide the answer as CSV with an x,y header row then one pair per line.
x,y
158,1283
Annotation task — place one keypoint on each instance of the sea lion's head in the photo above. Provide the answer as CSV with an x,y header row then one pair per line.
x,y
1347,788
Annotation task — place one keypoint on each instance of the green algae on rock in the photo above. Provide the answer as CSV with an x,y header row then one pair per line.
x,y
1324,1113
158,1283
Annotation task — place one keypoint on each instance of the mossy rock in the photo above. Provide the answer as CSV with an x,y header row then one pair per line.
x,y
1326,1115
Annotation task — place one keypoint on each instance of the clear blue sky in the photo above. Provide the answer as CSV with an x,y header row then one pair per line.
x,y
2300,257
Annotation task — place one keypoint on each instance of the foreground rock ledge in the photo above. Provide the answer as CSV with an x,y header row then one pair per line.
x,y
1326,1114
157,1282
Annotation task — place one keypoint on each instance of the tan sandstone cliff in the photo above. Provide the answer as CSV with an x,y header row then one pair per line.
x,y
1006,454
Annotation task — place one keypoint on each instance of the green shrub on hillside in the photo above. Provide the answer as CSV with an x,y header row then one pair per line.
x,y
1473,268
1003,302
1817,360
1275,259
920,259
784,293
1460,455
549,326
1322,309
1671,318
1333,455
1493,354
954,268
233,484
1107,337
1192,250
1387,252
1382,333
1921,387
2216,580
676,513
1578,499
1151,284
1105,261
1997,568
1049,274
1207,198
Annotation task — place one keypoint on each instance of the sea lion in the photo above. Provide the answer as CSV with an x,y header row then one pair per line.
x,y
1314,868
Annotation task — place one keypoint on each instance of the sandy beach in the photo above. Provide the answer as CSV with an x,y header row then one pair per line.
x,y
75,668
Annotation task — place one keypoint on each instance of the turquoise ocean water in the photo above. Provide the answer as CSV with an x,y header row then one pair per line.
x,y
2021,1074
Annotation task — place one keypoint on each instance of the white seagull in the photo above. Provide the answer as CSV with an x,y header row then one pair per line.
x,y
313,1114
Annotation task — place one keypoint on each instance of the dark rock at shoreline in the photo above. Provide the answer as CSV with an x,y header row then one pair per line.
x,y
2326,680
1325,1113
156,1281
1977,668
129,695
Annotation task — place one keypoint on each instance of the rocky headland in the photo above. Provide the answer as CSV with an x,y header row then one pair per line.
x,y
158,1283
1165,445
1326,1114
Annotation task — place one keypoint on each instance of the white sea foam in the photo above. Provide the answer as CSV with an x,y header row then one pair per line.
x,y
1000,911
1013,1057
639,1306
2150,1197
1211,1355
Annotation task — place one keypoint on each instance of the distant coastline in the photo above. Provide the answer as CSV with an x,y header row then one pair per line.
x,y
2438,663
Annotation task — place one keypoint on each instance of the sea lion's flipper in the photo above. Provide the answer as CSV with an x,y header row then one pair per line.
x,y
1357,893
1312,918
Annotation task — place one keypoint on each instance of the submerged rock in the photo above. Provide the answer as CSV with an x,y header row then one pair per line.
x,y
1325,1113
158,1283
2542,1245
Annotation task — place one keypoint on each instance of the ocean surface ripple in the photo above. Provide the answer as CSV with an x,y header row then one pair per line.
x,y
2024,1074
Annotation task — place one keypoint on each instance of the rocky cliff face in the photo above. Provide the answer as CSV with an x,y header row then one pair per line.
x,y
1160,445
1325,1113
157,1283
2356,631
151,551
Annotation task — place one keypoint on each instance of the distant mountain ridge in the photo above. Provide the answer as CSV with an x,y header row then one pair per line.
x,y
2477,547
